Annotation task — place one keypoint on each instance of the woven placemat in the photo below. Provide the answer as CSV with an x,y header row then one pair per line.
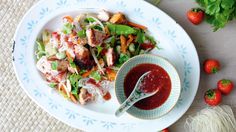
x,y
17,111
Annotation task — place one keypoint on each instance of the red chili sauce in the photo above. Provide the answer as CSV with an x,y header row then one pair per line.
x,y
158,78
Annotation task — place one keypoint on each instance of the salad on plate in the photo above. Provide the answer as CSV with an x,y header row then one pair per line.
x,y
81,59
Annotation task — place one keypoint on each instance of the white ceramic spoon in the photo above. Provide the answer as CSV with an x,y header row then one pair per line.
x,y
136,95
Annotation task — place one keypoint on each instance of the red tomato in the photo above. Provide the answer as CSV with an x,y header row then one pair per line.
x,y
211,66
195,15
165,130
213,97
225,86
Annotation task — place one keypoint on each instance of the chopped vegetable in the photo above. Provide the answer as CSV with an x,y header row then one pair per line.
x,y
123,44
74,81
137,25
123,58
87,73
67,28
132,47
118,18
89,20
121,29
52,85
98,28
81,33
61,55
54,65
140,37
41,49
73,98
68,19
96,76
99,50
46,36
111,74
72,63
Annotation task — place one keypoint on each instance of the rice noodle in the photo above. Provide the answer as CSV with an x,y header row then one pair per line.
x,y
212,119
96,61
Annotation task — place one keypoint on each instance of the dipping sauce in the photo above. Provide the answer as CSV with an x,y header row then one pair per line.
x,y
158,78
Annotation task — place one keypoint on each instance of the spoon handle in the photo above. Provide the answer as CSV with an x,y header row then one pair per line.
x,y
136,96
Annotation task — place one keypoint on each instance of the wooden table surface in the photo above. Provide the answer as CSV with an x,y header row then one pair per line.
x,y
220,45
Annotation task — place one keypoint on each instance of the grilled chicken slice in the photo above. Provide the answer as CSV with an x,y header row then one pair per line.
x,y
110,57
95,37
84,96
103,15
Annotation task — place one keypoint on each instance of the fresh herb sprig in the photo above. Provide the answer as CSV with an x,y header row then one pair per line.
x,y
218,12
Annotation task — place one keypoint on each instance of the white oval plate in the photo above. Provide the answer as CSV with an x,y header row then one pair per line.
x,y
176,46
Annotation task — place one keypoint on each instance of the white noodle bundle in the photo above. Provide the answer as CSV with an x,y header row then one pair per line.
x,y
212,119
